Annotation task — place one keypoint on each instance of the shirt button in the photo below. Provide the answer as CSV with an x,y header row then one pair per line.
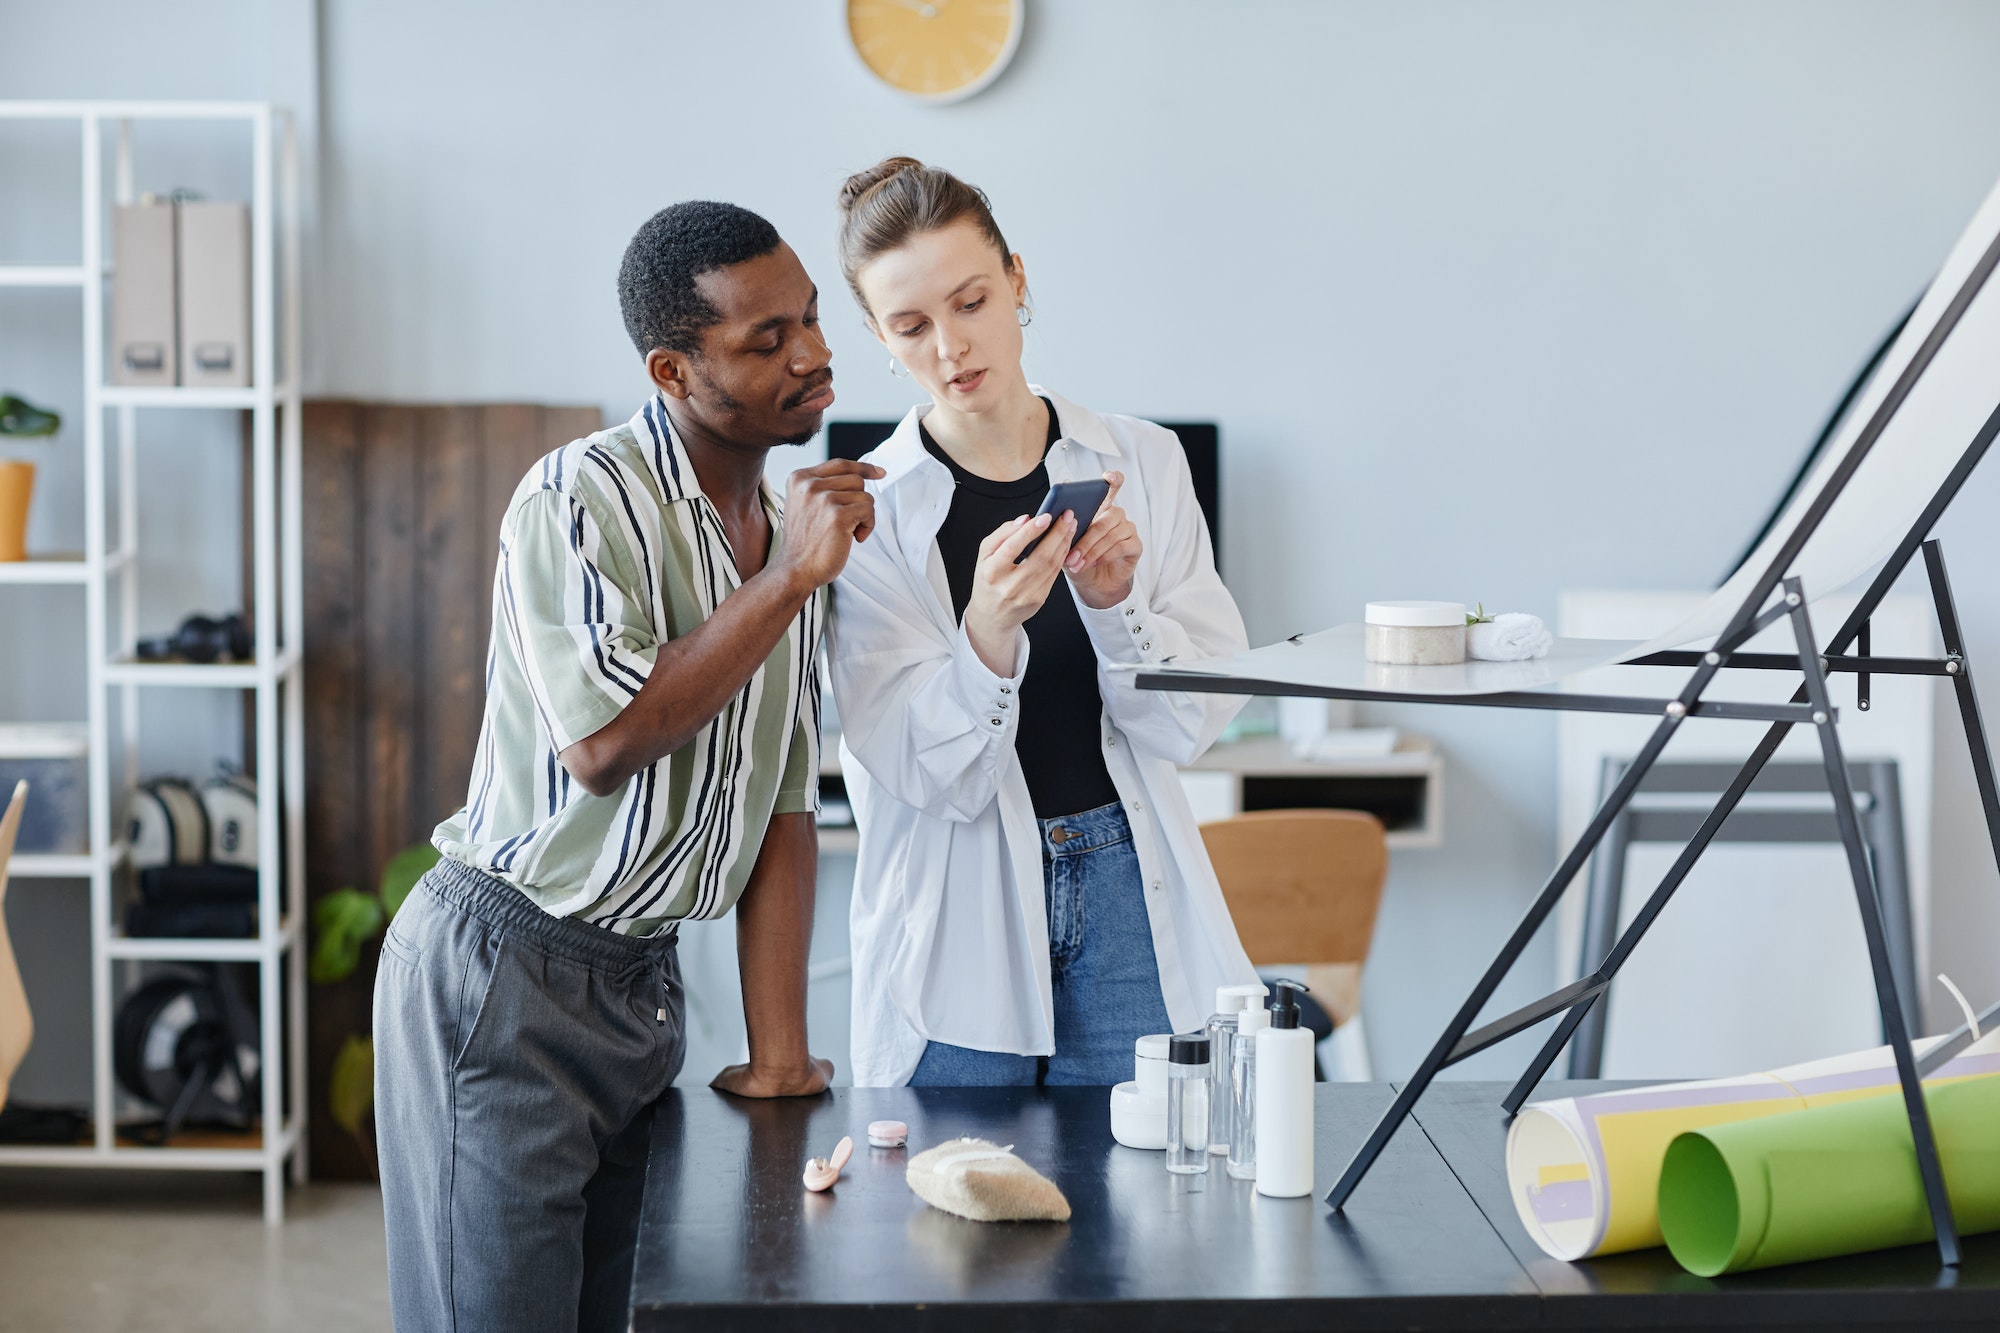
x,y
1004,689
1003,703
995,721
1155,886
1146,647
1110,744
1138,805
1131,610
1135,629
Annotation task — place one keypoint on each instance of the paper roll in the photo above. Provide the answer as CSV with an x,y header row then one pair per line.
x,y
1584,1172
1833,1180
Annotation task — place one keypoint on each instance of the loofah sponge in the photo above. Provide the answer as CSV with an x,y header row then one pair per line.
x,y
984,1182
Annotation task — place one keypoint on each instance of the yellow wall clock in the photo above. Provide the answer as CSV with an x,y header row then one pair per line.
x,y
935,50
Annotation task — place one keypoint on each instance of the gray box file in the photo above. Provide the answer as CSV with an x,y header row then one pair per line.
x,y
215,294
143,345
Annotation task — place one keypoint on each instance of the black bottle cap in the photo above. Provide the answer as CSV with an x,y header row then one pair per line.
x,y
1188,1048
1285,1003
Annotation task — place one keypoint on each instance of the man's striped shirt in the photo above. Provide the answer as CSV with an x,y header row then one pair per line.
x,y
609,550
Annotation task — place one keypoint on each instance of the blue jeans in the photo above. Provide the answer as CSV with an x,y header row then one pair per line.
x,y
1105,978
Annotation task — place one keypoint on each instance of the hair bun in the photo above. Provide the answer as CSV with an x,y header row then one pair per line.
x,y
861,182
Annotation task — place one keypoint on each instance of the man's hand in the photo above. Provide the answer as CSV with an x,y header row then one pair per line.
x,y
827,510
1101,566
1004,594
748,1080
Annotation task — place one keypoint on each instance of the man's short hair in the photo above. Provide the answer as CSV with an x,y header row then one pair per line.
x,y
656,291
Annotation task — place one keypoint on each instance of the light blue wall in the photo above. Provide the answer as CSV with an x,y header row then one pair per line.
x,y
1489,298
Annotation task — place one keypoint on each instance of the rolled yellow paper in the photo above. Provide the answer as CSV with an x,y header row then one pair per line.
x,y
1584,1172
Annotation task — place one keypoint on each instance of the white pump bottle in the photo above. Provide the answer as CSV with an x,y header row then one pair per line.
x,y
1284,1112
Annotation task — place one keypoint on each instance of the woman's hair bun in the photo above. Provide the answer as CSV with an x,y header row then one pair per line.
x,y
861,182
898,198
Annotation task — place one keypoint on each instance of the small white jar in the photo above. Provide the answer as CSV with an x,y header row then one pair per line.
x,y
1139,1108
1415,633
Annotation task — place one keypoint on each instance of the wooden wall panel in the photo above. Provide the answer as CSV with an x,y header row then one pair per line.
x,y
402,513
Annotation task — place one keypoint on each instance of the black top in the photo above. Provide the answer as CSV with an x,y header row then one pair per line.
x,y
1057,737
727,1238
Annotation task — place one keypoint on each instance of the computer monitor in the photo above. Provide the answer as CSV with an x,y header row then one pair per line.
x,y
1200,440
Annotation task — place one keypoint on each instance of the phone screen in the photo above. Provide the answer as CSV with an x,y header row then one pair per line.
x,y
1082,498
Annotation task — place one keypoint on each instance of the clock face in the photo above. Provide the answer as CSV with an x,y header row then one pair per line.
x,y
935,50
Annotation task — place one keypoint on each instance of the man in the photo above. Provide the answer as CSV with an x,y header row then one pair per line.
x,y
649,754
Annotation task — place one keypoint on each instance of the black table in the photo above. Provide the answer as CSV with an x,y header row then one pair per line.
x,y
730,1238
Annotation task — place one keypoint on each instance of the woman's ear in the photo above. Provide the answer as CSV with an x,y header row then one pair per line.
x,y
1017,274
869,320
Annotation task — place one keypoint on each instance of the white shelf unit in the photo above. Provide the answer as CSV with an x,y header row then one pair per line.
x,y
105,573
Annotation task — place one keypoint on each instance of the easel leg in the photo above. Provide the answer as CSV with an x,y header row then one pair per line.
x,y
1605,897
1968,701
1654,905
1871,924
1510,952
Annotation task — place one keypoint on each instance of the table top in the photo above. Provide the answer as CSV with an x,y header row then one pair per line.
x,y
729,1238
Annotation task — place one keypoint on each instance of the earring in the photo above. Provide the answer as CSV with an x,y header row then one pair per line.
x,y
1025,315
896,369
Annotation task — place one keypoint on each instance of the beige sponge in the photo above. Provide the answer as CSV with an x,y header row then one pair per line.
x,y
985,1182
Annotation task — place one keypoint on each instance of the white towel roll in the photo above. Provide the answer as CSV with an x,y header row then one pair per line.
x,y
1511,636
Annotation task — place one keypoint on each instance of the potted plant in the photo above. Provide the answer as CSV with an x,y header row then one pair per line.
x,y
19,419
344,921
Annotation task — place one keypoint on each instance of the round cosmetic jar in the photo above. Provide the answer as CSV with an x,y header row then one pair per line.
x,y
1415,633
1139,1108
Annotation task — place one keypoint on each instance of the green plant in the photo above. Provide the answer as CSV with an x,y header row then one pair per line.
x,y
1479,616
344,921
21,419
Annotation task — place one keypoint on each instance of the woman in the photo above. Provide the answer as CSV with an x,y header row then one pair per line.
x,y
1032,894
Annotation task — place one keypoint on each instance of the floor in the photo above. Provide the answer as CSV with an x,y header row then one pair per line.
x,y
90,1252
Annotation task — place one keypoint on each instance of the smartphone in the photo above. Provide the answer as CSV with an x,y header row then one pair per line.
x,y
1081,498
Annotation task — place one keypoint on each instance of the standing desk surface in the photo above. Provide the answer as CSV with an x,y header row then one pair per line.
x,y
730,1239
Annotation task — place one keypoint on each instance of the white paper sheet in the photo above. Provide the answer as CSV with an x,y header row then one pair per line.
x,y
1334,659
1923,442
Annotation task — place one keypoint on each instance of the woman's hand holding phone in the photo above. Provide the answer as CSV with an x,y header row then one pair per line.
x,y
1101,566
1005,594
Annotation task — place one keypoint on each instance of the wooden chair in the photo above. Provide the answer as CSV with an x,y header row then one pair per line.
x,y
17,1027
1304,886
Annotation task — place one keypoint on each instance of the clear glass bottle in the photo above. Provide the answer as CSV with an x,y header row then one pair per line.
x,y
1242,1093
1187,1104
1230,1002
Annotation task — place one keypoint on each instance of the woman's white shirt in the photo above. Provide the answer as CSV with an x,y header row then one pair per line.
x,y
948,924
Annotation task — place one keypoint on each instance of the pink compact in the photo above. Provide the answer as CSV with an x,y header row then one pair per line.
x,y
821,1172
888,1134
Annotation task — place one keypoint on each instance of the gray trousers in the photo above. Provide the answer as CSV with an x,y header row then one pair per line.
x,y
517,1058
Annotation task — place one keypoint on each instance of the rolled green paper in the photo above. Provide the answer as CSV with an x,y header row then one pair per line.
x,y
1832,1180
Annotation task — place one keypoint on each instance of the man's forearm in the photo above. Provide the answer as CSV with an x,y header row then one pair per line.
x,y
774,922
692,678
